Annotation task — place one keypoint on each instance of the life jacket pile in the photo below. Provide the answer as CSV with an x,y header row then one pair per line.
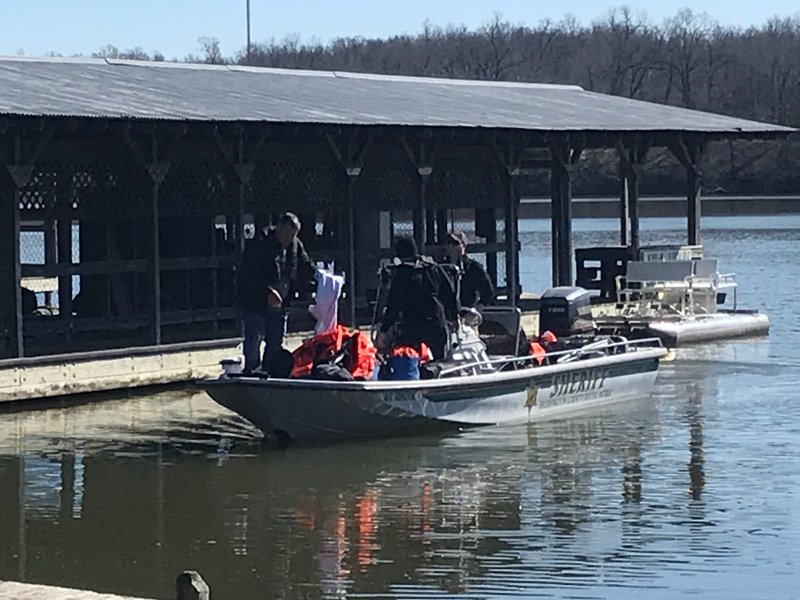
x,y
359,355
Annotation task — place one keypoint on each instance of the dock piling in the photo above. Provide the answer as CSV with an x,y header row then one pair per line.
x,y
190,586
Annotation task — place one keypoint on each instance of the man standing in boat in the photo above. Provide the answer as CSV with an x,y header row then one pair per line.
x,y
421,302
475,289
274,264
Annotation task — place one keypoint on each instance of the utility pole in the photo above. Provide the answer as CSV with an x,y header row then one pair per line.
x,y
248,32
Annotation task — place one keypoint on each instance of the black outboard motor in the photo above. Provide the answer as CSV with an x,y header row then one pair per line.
x,y
566,311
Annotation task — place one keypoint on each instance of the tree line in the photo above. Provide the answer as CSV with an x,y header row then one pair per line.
x,y
689,60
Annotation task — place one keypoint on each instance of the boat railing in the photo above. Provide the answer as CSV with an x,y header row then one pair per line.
x,y
592,350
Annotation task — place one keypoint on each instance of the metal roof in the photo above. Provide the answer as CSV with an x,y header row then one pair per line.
x,y
140,90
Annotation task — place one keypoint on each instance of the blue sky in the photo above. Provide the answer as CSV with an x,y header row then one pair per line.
x,y
35,27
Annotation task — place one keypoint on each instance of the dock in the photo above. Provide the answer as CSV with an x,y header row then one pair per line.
x,y
189,585
11,590
58,376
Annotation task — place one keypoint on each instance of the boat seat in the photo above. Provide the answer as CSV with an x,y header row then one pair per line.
x,y
501,329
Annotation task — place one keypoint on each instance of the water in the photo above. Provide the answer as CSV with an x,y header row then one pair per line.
x,y
697,491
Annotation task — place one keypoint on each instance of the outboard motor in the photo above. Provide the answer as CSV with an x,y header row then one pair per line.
x,y
566,311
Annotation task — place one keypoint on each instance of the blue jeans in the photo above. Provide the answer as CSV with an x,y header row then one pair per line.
x,y
269,327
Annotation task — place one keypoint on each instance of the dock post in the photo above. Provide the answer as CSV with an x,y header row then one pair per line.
x,y
564,155
190,586
555,223
350,152
20,175
630,161
693,204
158,173
688,153
512,239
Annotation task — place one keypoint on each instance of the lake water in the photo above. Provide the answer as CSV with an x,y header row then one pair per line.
x,y
696,490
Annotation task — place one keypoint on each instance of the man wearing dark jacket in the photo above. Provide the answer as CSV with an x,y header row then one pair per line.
x,y
272,266
421,301
475,288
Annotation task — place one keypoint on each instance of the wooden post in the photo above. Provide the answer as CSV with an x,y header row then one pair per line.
x,y
630,161
190,586
422,161
632,185
441,226
693,203
11,301
422,225
64,258
351,157
352,177
555,223
158,172
512,239
624,204
20,176
688,154
564,156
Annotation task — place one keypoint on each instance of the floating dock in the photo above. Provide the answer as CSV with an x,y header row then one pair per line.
x,y
677,331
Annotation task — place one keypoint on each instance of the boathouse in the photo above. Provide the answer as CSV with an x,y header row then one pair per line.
x,y
127,189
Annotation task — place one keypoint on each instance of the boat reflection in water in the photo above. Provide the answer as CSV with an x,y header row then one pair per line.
x,y
104,496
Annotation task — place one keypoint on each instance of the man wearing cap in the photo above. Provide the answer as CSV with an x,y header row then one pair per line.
x,y
475,287
274,263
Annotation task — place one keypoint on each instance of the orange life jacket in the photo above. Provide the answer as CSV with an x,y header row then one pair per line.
x,y
360,360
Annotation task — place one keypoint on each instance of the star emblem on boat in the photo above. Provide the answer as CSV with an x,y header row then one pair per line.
x,y
530,397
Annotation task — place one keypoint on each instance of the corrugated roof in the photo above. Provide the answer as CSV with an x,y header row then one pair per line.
x,y
176,91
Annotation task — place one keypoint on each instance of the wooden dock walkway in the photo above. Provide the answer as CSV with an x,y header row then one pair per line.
x,y
49,377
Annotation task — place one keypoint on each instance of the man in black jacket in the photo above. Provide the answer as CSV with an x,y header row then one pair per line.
x,y
475,288
273,264
421,301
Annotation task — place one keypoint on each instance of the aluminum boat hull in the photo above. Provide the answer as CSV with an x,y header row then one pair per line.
x,y
303,409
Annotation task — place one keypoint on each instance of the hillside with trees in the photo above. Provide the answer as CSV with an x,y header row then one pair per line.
x,y
689,60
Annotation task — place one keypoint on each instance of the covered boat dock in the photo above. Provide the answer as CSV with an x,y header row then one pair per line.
x,y
128,189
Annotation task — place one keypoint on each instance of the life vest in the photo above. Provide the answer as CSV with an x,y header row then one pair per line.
x,y
538,347
360,355
422,352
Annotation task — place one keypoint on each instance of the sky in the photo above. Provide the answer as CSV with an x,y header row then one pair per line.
x,y
69,27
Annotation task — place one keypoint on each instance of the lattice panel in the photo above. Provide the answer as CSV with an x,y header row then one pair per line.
x,y
86,179
466,178
308,179
388,180
202,185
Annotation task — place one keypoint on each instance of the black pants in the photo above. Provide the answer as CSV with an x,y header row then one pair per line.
x,y
435,335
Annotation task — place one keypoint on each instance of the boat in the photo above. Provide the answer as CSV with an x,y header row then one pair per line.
x,y
470,392
675,294
470,388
